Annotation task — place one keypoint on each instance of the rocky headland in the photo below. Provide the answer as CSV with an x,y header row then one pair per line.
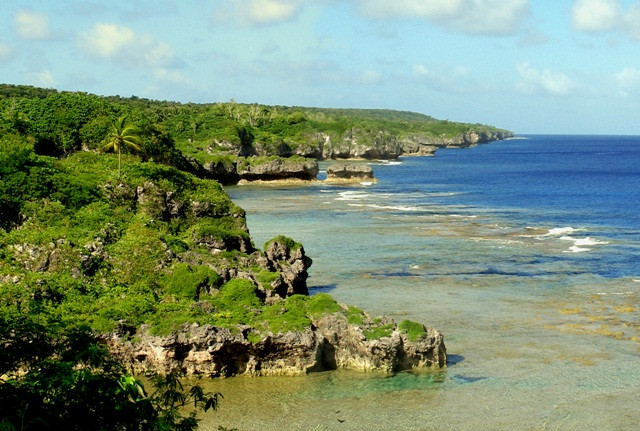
x,y
161,264
259,163
329,343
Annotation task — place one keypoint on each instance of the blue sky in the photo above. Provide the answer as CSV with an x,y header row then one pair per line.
x,y
569,66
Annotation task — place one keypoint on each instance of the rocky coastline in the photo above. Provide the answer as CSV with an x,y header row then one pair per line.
x,y
257,163
330,343
340,338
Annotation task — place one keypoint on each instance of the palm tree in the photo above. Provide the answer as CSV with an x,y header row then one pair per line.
x,y
122,135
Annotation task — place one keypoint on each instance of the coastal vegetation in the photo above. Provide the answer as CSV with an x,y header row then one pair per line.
x,y
100,249
209,140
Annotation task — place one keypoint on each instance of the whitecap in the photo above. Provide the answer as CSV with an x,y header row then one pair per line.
x,y
414,266
560,231
366,183
576,249
589,241
388,207
352,196
582,241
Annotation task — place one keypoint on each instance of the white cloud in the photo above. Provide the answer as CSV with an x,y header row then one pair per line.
x,y
122,45
31,25
5,52
456,79
258,12
601,16
43,78
595,15
628,80
550,82
488,17
370,77
632,22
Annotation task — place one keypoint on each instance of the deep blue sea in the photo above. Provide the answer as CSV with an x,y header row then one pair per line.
x,y
525,253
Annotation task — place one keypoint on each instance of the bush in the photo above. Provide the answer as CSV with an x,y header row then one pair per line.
x,y
188,281
377,332
284,240
322,303
414,330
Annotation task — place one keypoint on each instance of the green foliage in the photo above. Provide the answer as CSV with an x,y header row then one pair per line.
x,y
377,332
290,316
189,281
254,337
355,316
286,241
414,330
322,303
23,176
239,293
266,277
61,377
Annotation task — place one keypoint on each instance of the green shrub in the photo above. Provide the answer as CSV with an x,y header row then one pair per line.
x,y
355,316
322,303
239,292
266,277
188,281
286,241
377,332
414,330
285,318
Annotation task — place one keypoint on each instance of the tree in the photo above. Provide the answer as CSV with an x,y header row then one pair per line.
x,y
122,135
55,377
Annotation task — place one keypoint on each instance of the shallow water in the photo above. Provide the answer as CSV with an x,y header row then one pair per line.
x,y
523,253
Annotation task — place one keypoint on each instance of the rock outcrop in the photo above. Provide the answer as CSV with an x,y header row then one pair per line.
x,y
349,172
299,161
292,264
277,169
330,343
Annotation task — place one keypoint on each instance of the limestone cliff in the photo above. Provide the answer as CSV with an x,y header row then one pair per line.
x,y
330,343
349,172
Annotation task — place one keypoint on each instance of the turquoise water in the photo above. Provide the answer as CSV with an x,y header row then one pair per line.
x,y
524,253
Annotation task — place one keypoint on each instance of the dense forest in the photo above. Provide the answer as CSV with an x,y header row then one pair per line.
x,y
95,242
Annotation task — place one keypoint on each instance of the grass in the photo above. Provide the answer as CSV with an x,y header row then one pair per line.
x,y
378,332
414,330
284,240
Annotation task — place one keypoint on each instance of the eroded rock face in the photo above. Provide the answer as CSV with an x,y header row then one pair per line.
x,y
278,169
330,343
292,263
360,144
349,172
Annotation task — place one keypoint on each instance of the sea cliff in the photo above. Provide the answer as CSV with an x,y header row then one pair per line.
x,y
161,265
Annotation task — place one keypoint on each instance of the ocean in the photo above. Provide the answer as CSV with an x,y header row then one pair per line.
x,y
525,254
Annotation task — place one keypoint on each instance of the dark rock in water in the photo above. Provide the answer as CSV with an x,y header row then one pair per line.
x,y
342,171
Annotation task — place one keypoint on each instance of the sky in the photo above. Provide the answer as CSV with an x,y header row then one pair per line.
x,y
530,66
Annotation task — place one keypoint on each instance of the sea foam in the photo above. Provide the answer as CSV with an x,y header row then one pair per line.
x,y
556,231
